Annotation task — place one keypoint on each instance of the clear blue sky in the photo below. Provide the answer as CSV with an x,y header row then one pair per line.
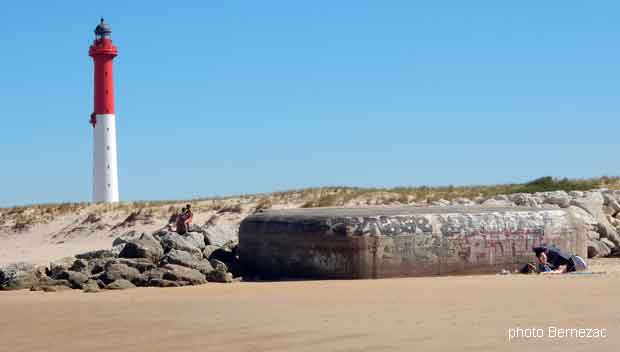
x,y
229,97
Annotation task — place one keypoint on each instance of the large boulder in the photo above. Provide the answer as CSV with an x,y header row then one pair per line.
x,y
114,272
559,198
76,279
585,217
196,238
89,267
19,276
220,276
146,247
593,203
612,203
142,264
173,272
187,260
220,234
173,240
220,272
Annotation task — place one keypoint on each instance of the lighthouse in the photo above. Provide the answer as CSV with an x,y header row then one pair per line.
x,y
103,119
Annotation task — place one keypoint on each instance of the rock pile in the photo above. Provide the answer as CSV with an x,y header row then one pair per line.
x,y
161,259
598,209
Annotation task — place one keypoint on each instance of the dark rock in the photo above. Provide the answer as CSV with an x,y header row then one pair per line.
x,y
59,265
80,265
187,260
229,258
118,249
98,254
220,273
174,272
114,272
98,265
120,284
89,267
145,247
142,264
218,265
76,279
19,276
154,274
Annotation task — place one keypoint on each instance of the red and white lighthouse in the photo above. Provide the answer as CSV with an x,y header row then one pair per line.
x,y
103,120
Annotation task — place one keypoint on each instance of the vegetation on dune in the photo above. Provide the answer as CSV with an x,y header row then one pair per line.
x,y
22,217
338,196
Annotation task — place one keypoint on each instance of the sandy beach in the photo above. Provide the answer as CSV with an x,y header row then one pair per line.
x,y
467,313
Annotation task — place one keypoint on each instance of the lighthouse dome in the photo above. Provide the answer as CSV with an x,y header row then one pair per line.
x,y
103,30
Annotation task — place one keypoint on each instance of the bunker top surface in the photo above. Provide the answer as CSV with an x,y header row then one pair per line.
x,y
328,212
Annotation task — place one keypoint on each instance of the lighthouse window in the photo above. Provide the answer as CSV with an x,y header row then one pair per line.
x,y
106,92
107,147
108,166
107,129
108,185
105,73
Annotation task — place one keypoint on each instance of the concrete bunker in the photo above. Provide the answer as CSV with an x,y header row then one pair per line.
x,y
348,243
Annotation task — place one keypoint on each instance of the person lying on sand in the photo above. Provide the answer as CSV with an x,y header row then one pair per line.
x,y
555,261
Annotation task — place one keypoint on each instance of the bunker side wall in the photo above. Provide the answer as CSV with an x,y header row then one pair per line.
x,y
409,245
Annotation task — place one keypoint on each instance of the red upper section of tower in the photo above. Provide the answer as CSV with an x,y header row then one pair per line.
x,y
103,52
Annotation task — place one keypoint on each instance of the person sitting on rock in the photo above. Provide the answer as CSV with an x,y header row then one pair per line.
x,y
188,217
553,260
180,222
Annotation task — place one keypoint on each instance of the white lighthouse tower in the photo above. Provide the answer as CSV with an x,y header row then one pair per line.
x,y
103,120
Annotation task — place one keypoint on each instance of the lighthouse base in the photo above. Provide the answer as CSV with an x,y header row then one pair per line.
x,y
105,167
